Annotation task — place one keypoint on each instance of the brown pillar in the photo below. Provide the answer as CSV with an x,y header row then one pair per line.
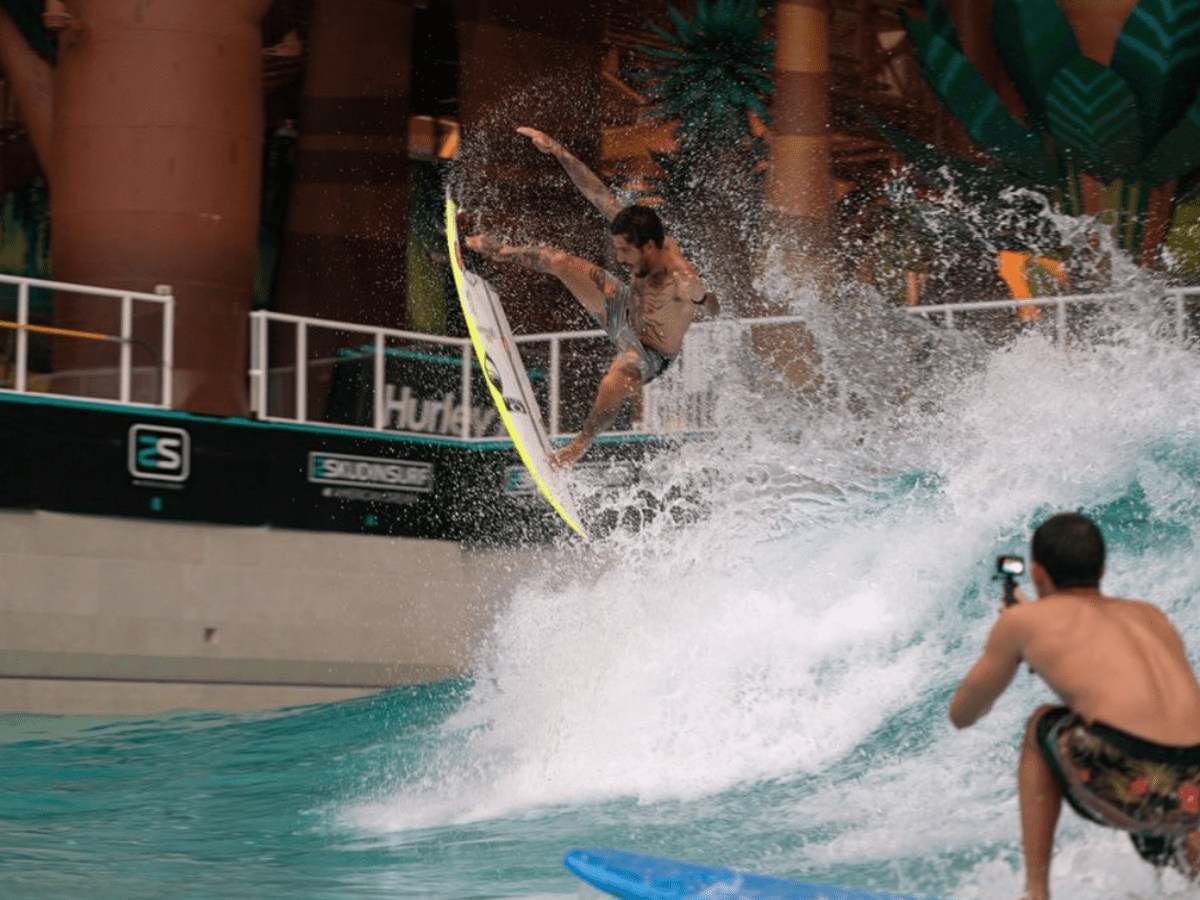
x,y
344,243
1096,24
530,62
31,80
154,173
800,184
800,187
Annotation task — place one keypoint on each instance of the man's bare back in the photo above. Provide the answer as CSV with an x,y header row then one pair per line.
x,y
1114,661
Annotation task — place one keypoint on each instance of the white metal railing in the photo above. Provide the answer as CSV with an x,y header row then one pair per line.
x,y
675,402
682,400
1176,296
261,369
22,329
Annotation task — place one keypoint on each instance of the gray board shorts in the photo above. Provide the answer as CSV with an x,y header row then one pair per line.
x,y
651,363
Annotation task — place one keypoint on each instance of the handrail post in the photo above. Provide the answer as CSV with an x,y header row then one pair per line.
x,y
379,376
126,364
167,391
264,383
301,371
466,391
21,380
555,363
255,373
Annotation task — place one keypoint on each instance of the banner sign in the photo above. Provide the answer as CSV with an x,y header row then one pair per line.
x,y
108,459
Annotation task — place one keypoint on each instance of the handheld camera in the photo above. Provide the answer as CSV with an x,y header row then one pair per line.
x,y
1008,568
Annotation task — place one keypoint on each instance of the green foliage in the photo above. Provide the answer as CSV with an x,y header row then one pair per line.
x,y
1133,125
1034,40
1176,153
1158,55
939,21
26,216
946,212
713,75
976,105
1093,114
25,245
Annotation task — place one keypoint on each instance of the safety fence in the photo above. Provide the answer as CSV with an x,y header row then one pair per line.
x,y
142,323
431,385
351,375
1175,300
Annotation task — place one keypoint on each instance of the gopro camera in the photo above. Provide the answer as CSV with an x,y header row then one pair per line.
x,y
1008,568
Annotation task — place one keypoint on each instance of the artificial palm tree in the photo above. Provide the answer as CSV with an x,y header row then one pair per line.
x,y
1115,138
712,79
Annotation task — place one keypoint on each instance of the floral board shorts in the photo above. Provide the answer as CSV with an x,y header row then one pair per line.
x,y
1116,779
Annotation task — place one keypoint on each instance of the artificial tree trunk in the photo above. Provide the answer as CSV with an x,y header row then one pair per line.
x,y
149,129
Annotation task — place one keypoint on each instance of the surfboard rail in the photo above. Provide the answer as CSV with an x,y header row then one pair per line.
x,y
638,876
505,375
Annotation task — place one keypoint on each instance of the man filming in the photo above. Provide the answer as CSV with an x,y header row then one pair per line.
x,y
1124,746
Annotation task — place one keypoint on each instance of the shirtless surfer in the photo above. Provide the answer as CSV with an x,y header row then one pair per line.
x,y
645,319
1124,746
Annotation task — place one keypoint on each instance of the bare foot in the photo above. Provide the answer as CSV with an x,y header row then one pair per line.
x,y
565,456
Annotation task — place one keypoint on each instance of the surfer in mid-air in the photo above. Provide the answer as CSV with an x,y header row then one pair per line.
x,y
646,319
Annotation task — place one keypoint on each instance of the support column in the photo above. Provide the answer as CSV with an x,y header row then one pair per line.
x,y
800,183
800,186
345,238
154,169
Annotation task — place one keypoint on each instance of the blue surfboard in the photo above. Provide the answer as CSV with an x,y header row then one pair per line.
x,y
635,876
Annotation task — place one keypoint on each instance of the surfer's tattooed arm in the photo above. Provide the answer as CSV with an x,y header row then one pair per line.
x,y
592,188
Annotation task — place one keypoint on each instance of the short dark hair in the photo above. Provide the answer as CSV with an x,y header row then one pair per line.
x,y
1070,548
639,224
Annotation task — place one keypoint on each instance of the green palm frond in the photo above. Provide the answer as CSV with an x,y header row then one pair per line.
x,y
1034,40
1093,113
712,75
1132,125
976,105
1158,55
1177,154
938,18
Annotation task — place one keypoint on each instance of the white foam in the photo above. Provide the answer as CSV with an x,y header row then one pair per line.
x,y
839,577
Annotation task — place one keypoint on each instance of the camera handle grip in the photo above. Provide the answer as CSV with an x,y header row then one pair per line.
x,y
1010,588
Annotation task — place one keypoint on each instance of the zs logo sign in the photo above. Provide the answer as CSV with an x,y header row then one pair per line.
x,y
159,453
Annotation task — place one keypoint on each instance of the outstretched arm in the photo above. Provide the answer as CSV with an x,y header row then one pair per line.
x,y
992,672
596,192
589,283
606,201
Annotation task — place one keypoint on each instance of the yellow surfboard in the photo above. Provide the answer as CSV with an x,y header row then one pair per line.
x,y
506,378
